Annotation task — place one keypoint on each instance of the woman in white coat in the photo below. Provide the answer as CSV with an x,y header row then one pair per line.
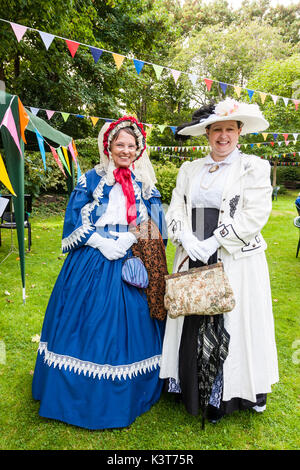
x,y
218,209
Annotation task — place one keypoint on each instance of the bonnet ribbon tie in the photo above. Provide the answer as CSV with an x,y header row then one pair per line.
x,y
123,176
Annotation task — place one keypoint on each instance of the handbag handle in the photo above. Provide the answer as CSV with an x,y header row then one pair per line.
x,y
182,263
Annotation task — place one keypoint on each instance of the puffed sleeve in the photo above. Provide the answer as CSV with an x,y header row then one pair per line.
x,y
78,226
236,232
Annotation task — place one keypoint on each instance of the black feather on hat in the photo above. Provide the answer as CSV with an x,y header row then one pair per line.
x,y
202,113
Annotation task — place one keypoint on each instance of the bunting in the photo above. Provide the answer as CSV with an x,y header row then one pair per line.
x,y
24,119
161,127
47,38
41,147
9,122
4,177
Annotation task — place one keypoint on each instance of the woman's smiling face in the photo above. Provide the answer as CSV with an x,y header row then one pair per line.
x,y
123,149
223,137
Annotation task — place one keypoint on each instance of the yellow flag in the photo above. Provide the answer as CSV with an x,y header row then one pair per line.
x,y
262,97
238,90
4,176
258,145
265,135
94,120
66,158
118,60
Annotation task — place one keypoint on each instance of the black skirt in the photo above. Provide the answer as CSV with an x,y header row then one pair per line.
x,y
188,352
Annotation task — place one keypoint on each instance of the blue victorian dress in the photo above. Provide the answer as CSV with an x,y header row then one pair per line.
x,y
99,354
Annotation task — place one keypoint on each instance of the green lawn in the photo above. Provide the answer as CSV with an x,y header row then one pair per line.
x,y
166,426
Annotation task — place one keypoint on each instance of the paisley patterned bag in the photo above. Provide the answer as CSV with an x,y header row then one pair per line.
x,y
199,291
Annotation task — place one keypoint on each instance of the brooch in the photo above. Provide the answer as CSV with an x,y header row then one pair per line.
x,y
213,168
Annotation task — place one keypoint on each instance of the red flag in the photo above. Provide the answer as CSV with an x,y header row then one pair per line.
x,y
72,46
208,83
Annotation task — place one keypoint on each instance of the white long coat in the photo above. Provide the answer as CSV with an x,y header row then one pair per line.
x,y
251,366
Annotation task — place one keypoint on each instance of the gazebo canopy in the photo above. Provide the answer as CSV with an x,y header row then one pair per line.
x,y
15,120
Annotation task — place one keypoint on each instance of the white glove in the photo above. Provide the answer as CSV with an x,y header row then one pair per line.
x,y
109,247
197,249
125,239
209,247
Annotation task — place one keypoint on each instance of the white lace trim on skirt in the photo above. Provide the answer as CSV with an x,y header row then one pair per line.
x,y
98,370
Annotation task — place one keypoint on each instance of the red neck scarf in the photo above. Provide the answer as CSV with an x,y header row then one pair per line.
x,y
123,176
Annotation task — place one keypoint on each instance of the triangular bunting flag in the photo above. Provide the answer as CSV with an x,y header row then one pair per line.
x,y
71,150
72,46
65,151
47,39
34,110
65,116
285,100
41,146
119,59
139,64
56,158
176,74
49,113
265,135
173,130
9,122
23,118
223,87
258,145
238,90
274,98
193,78
285,136
59,152
250,93
4,177
262,97
94,120
161,127
158,70
296,103
19,30
275,136
96,53
208,83
295,136
78,172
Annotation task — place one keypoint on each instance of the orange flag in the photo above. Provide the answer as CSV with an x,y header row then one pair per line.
x,y
24,119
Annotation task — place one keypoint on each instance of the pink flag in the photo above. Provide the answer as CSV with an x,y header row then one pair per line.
x,y
19,30
49,113
72,152
9,122
56,157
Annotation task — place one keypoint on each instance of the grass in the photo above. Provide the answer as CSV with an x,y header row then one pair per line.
x,y
166,426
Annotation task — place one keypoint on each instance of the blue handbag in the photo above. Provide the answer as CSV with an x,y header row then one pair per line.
x,y
135,273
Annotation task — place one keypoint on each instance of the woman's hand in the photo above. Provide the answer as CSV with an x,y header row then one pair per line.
x,y
125,239
196,249
109,247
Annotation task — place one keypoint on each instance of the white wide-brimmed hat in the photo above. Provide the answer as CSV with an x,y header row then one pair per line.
x,y
228,110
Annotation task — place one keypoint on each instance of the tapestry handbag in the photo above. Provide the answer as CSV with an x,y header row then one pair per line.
x,y
199,291
134,272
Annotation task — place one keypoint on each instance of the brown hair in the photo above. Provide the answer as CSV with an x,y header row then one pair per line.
x,y
128,130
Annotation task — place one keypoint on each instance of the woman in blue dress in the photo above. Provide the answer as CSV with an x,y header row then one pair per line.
x,y
99,354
